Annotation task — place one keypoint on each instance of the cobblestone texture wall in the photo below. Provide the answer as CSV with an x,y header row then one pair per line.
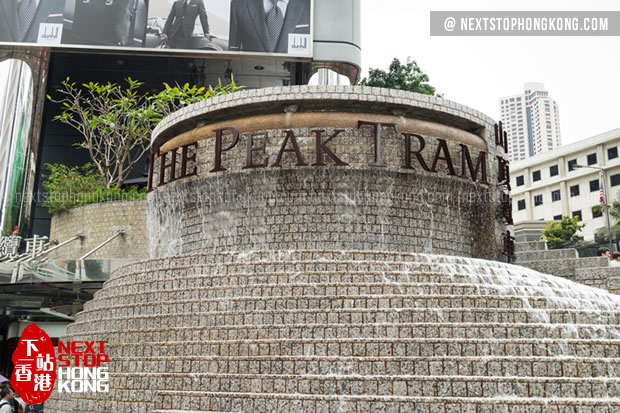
x,y
320,208
355,206
98,222
330,331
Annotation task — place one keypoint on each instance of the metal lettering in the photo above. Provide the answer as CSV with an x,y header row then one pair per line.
x,y
300,159
443,147
378,160
322,148
249,163
218,146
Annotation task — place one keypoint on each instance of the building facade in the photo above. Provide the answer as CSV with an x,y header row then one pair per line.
x,y
532,121
550,185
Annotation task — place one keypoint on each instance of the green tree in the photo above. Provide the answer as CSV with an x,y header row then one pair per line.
x,y
614,209
559,233
116,121
406,76
601,235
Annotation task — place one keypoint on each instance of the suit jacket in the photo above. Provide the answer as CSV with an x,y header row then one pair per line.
x,y
49,11
248,28
179,23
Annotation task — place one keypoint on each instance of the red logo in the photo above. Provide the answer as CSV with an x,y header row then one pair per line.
x,y
35,365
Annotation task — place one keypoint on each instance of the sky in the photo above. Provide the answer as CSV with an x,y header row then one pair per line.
x,y
582,74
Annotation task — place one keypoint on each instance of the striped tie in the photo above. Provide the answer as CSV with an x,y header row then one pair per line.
x,y
275,21
25,14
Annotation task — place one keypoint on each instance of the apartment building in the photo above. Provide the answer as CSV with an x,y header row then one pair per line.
x,y
552,184
532,120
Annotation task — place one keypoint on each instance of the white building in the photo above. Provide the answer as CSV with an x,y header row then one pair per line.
x,y
532,121
546,187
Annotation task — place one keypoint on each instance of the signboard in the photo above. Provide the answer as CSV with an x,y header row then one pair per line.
x,y
237,26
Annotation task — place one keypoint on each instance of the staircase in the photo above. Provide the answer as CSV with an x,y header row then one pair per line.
x,y
592,271
320,331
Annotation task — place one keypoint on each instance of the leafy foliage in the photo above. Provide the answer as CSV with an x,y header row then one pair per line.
x,y
117,121
406,76
614,209
81,185
601,235
559,233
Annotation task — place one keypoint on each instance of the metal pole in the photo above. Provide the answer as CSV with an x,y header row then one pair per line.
x,y
605,195
79,236
102,244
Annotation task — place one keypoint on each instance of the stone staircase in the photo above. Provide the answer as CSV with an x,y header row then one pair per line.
x,y
566,263
320,331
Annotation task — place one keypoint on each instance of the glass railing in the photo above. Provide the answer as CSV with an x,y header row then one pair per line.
x,y
60,271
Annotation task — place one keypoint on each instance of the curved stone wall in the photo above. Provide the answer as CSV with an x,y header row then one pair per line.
x,y
320,208
97,223
348,168
357,331
300,291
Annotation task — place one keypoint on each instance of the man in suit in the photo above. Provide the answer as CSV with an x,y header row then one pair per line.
x,y
179,27
264,25
20,19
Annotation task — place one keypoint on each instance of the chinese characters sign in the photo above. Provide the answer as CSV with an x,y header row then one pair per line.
x,y
35,365
81,366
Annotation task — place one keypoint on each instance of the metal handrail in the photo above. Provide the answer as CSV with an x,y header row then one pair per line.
x,y
120,232
78,236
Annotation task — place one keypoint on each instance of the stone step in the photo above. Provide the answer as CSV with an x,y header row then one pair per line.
x,y
270,256
439,264
525,256
168,302
345,330
592,262
185,411
380,347
366,315
560,268
531,246
204,402
330,274
400,385
327,288
598,272
369,365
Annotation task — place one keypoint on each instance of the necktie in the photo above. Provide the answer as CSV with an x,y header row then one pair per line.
x,y
275,20
25,14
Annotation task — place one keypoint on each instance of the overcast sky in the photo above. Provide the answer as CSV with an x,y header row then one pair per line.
x,y
581,73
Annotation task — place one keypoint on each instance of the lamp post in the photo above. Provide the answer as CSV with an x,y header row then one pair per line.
x,y
603,176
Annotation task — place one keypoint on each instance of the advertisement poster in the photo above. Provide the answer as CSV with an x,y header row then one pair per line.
x,y
198,25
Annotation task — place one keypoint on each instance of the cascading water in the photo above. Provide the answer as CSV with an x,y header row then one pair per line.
x,y
283,281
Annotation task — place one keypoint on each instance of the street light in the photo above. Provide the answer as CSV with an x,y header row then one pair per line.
x,y
604,182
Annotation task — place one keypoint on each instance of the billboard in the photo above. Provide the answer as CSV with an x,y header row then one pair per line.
x,y
228,26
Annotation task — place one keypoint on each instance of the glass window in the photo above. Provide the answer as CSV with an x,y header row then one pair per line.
x,y
594,185
615,180
536,176
521,204
577,214
520,180
571,164
553,170
538,200
557,218
555,196
592,159
612,153
574,190
597,211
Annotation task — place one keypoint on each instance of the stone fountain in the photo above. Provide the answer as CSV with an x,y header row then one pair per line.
x,y
323,249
